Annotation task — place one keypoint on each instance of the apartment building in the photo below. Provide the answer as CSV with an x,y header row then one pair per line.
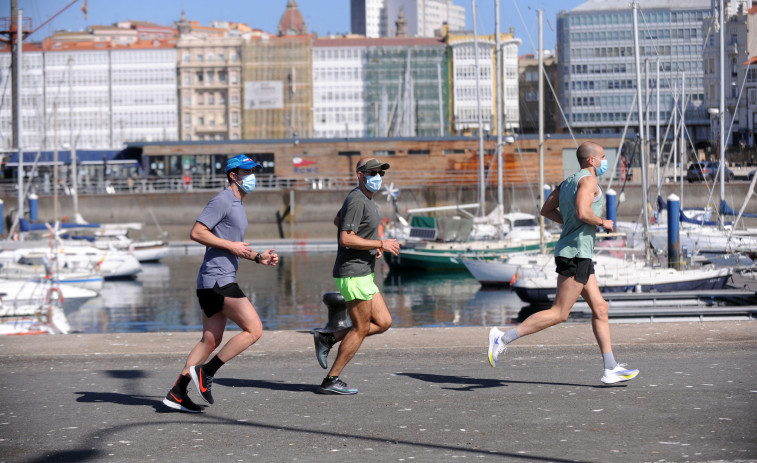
x,y
740,34
528,84
466,90
209,68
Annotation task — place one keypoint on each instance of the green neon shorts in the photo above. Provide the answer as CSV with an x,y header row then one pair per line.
x,y
352,288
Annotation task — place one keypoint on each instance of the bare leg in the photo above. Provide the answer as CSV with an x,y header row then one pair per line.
x,y
599,320
380,321
368,318
568,290
240,311
212,334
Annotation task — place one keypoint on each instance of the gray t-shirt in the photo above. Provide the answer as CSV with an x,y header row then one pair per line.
x,y
226,218
360,214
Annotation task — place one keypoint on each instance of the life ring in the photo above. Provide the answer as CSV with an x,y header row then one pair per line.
x,y
57,291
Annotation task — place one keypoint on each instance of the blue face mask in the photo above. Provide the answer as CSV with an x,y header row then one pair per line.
x,y
602,167
373,184
248,183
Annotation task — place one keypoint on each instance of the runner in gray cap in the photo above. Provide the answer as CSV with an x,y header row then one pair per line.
x,y
359,247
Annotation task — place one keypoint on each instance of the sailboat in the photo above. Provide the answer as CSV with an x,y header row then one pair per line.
x,y
513,232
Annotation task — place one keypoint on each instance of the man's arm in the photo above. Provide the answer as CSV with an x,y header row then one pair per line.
x,y
349,239
584,197
550,209
202,234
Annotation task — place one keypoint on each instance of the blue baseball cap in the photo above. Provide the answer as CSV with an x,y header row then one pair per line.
x,y
241,161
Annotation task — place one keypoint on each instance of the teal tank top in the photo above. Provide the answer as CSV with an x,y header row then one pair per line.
x,y
577,237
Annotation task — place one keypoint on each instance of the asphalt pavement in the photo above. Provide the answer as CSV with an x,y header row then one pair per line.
x,y
426,395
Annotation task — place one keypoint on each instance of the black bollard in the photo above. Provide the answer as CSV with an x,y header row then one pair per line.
x,y
339,319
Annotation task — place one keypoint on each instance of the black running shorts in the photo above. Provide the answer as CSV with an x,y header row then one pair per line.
x,y
211,299
576,266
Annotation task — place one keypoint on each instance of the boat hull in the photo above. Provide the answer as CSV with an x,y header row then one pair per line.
x,y
542,291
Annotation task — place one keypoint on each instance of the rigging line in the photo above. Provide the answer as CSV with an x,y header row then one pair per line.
x,y
525,175
546,77
620,146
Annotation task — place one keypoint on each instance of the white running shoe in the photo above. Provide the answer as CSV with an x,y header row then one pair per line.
x,y
496,346
618,374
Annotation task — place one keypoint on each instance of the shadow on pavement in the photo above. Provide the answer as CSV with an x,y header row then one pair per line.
x,y
482,383
260,384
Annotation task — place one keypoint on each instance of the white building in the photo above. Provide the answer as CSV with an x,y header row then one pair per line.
x,y
338,82
366,17
464,89
424,17
376,18
100,97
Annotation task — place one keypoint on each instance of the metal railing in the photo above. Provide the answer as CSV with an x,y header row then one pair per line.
x,y
119,185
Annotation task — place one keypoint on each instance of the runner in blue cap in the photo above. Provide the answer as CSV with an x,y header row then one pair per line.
x,y
221,227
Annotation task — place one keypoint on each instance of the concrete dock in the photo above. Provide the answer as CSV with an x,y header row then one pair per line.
x,y
426,395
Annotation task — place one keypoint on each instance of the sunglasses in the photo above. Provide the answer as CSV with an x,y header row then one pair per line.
x,y
372,173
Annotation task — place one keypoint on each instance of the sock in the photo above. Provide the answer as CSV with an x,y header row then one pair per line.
x,y
211,367
331,378
510,336
609,361
181,384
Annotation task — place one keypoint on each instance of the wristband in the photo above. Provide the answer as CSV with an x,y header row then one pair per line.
x,y
257,258
381,246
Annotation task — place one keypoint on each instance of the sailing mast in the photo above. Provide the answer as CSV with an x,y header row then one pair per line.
x,y
721,114
542,199
499,87
18,123
642,152
481,184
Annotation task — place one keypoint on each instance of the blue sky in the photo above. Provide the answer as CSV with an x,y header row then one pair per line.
x,y
322,16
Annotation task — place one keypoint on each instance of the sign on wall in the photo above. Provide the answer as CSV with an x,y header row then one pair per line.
x,y
264,94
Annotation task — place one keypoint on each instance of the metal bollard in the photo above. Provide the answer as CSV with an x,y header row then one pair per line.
x,y
339,319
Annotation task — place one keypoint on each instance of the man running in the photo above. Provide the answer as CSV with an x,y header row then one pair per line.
x,y
359,247
576,204
221,227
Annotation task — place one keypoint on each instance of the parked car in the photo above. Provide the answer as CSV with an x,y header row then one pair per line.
x,y
706,170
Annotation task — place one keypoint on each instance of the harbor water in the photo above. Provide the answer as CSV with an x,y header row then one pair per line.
x,y
288,297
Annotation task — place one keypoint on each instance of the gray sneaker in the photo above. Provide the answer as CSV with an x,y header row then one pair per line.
x,y
323,344
336,386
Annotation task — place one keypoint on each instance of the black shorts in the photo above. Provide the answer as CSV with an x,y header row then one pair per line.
x,y
576,266
211,299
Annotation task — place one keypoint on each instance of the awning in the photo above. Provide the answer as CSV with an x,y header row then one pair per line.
x,y
47,158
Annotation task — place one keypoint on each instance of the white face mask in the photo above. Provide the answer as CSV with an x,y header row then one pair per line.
x,y
248,183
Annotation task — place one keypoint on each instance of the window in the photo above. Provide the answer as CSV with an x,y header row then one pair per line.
x,y
187,120
411,152
235,119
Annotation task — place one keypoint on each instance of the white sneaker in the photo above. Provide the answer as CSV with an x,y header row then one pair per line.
x,y
496,346
618,374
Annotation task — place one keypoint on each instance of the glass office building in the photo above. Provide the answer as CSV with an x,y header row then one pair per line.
x,y
597,70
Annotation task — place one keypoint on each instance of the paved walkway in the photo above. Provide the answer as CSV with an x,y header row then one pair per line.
x,y
426,395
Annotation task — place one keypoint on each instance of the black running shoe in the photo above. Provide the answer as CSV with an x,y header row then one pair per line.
x,y
323,344
181,402
336,386
203,383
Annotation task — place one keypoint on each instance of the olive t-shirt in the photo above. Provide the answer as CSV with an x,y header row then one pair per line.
x,y
360,214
